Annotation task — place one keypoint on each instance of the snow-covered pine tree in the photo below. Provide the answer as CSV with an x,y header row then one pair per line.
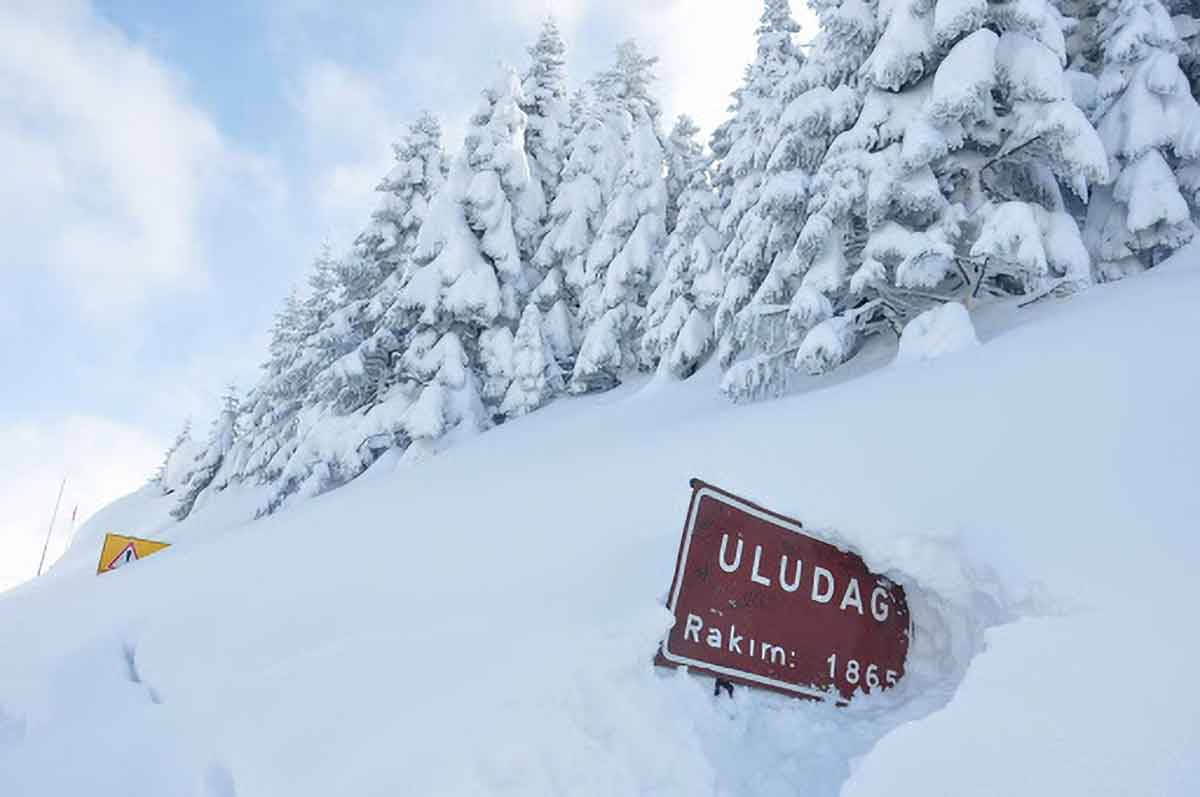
x,y
1185,14
323,330
1083,46
275,398
304,459
323,296
819,101
555,120
356,380
175,471
762,333
308,336
685,156
536,375
574,221
210,461
419,171
846,35
679,334
545,104
269,409
1150,124
740,171
620,265
343,367
577,117
471,278
966,111
811,102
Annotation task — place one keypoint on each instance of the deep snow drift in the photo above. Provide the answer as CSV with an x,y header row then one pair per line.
x,y
484,623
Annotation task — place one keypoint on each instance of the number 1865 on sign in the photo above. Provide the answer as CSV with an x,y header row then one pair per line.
x,y
857,673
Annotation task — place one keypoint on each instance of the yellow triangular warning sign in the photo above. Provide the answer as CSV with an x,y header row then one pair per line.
x,y
119,551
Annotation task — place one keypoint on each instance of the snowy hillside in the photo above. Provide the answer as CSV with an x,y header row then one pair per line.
x,y
484,622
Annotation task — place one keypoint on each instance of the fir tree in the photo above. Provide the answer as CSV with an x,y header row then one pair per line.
x,y
741,171
536,376
578,107
574,222
448,395
679,333
303,344
418,173
546,107
620,264
471,276
1150,124
176,468
275,398
762,331
356,380
332,342
210,461
1185,14
685,156
554,123
810,101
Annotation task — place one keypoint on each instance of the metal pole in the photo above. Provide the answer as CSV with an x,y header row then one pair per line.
x,y
71,528
49,531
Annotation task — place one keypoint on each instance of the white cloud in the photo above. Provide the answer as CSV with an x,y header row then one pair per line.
x,y
350,127
704,48
108,163
193,387
531,13
100,459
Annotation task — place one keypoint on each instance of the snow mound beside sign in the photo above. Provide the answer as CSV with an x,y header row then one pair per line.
x,y
946,329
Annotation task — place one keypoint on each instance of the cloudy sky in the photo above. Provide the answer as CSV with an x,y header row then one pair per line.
x,y
171,167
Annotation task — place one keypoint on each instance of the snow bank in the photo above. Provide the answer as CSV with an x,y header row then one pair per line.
x,y
484,623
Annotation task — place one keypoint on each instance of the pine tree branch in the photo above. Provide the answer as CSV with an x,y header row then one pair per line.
x,y
1005,154
1051,291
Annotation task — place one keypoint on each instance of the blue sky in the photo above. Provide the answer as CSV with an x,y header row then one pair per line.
x,y
173,167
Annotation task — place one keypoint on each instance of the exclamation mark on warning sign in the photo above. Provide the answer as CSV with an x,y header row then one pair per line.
x,y
127,555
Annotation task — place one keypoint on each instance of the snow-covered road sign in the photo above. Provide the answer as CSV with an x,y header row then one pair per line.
x,y
119,551
759,602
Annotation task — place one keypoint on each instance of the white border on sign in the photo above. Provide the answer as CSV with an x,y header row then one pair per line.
x,y
674,658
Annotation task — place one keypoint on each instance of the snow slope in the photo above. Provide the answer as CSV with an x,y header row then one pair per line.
x,y
483,623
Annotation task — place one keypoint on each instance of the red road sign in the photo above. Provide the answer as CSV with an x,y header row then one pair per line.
x,y
759,602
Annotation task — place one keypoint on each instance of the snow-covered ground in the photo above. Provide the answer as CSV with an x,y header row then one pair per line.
x,y
484,622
